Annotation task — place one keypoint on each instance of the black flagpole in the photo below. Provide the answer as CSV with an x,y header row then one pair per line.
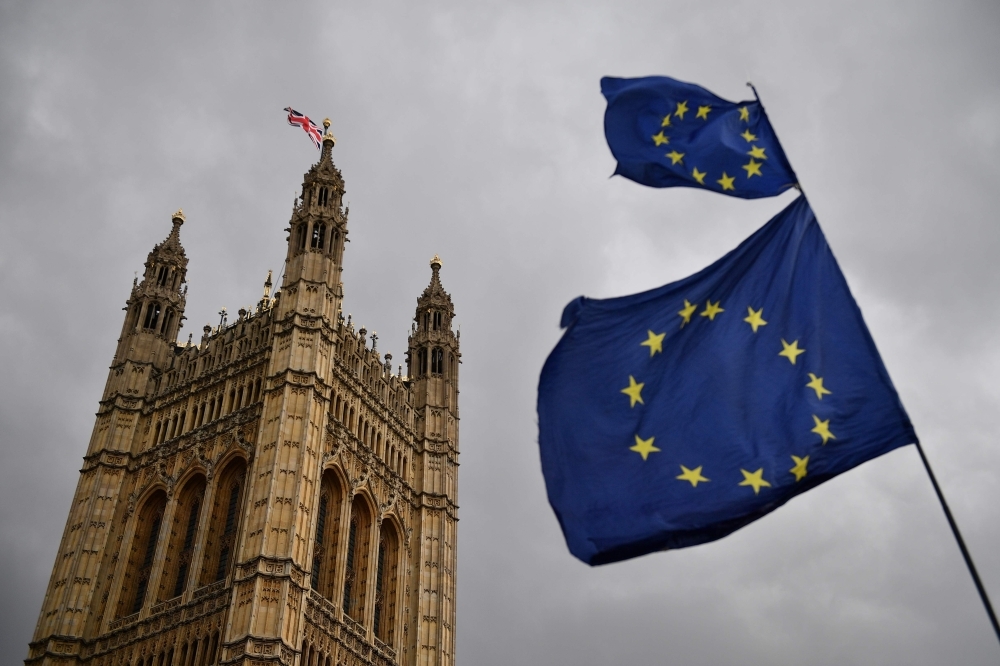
x,y
961,543
937,489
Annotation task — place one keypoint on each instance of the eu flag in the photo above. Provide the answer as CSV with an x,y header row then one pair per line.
x,y
673,417
666,133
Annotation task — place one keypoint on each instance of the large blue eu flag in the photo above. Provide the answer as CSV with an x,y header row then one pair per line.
x,y
673,417
666,133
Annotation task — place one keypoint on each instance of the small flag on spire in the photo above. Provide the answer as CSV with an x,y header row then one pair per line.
x,y
296,119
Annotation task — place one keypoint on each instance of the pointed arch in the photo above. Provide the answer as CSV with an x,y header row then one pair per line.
x,y
387,581
318,235
182,538
327,534
359,531
152,316
139,564
223,525
421,362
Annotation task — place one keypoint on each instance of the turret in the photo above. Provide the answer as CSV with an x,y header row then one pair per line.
x,y
433,359
316,236
154,312
433,356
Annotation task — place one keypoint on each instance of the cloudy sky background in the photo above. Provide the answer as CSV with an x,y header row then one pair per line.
x,y
476,132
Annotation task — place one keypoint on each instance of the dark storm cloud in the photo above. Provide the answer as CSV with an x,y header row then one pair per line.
x,y
476,133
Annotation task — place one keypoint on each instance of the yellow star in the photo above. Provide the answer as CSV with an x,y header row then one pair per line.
x,y
758,152
744,113
755,319
823,429
711,309
655,343
753,168
790,351
643,446
666,121
749,136
817,385
692,475
661,138
686,313
675,157
634,391
755,480
699,176
682,108
800,467
726,181
703,112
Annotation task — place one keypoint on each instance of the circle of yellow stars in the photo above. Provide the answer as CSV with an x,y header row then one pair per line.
x,y
789,350
726,182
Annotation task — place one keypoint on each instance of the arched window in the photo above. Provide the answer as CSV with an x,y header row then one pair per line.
x,y
437,361
427,321
141,555
322,196
182,538
156,437
334,237
167,321
224,523
356,566
327,531
181,422
256,391
402,472
318,236
301,240
152,316
239,398
386,566
421,362
232,401
437,321
162,275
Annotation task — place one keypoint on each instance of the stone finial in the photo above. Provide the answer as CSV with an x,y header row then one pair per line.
x,y
436,263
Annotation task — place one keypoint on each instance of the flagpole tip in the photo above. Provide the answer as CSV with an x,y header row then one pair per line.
x,y
326,123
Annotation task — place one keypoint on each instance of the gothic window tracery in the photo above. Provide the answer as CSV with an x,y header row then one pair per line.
x,y
139,565
387,564
437,361
326,536
182,539
322,196
224,522
356,565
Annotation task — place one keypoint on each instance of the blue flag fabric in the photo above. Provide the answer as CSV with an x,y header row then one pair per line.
x,y
666,133
676,416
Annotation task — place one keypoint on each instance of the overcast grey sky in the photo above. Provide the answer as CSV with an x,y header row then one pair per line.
x,y
474,130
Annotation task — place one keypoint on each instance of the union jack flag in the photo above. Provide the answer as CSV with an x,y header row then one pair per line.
x,y
296,119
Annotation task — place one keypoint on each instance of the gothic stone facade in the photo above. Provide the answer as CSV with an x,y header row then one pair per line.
x,y
273,494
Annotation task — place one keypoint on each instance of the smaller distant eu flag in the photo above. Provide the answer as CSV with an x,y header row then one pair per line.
x,y
676,416
666,133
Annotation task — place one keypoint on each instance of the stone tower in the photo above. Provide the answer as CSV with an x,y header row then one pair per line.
x,y
273,494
